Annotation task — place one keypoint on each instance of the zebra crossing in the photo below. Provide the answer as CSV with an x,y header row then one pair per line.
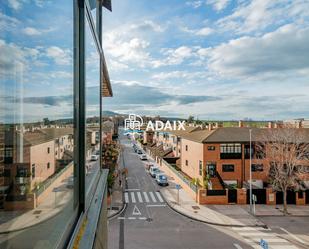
x,y
143,197
253,236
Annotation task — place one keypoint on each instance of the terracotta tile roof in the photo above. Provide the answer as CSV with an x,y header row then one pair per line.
x,y
197,136
235,135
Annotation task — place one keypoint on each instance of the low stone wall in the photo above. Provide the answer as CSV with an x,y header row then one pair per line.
x,y
179,181
241,196
300,198
30,203
203,198
47,192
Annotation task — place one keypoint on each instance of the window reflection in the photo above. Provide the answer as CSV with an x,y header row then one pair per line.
x,y
36,123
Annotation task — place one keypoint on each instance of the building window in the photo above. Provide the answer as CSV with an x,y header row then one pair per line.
x,y
211,148
33,171
186,162
227,167
257,167
186,147
200,167
48,150
230,151
48,165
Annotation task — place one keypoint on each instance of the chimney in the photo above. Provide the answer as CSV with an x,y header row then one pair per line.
x,y
210,126
270,125
240,123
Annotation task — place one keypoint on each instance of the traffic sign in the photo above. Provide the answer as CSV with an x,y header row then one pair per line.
x,y
177,186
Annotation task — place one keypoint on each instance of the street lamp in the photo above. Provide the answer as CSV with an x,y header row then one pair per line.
x,y
250,169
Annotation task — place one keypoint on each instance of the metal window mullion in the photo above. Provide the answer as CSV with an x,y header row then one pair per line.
x,y
92,27
79,105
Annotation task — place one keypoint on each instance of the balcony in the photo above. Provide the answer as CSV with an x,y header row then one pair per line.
x,y
22,180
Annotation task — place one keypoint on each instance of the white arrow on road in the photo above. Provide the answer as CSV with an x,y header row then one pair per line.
x,y
136,211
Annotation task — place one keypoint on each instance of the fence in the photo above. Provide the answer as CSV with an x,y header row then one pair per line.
x,y
181,176
50,180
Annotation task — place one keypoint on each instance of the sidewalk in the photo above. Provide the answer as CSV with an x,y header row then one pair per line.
x,y
223,215
116,201
276,210
11,221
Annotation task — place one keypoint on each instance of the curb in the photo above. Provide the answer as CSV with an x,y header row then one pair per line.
x,y
208,222
124,206
33,225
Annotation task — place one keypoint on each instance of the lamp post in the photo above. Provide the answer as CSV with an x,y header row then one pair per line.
x,y
250,170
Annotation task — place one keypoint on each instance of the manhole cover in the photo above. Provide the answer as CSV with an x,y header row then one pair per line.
x,y
195,207
37,212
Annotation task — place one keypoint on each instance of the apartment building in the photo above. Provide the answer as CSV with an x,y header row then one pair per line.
x,y
224,154
31,157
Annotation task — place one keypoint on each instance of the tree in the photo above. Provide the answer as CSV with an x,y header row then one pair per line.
x,y
286,154
190,119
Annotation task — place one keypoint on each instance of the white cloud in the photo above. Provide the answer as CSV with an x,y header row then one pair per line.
x,y
147,25
276,54
15,4
7,23
31,31
205,31
14,58
59,55
194,4
218,5
174,56
178,75
258,15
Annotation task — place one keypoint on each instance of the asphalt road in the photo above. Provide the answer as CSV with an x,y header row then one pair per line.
x,y
152,224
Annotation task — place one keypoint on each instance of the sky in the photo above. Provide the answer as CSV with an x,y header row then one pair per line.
x,y
213,59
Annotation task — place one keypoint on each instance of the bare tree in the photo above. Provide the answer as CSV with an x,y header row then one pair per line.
x,y
286,154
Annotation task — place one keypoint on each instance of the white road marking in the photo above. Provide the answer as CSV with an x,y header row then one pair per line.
x,y
132,218
283,247
250,229
136,211
271,240
293,236
159,197
257,234
133,197
152,197
146,197
142,218
126,197
156,205
132,189
237,246
139,196
121,218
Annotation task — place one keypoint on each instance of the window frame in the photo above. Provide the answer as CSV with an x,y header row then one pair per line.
x,y
228,165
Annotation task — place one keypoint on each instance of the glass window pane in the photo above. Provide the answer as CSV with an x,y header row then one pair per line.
x,y
92,111
36,122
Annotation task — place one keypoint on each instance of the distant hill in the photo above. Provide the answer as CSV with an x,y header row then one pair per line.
x,y
110,113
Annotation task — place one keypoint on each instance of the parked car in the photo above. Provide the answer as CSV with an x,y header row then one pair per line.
x,y
139,152
94,158
143,157
154,170
161,179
